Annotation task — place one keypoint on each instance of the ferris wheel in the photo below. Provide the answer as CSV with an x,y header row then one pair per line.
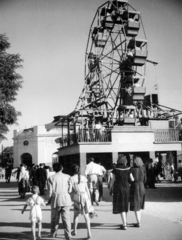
x,y
115,63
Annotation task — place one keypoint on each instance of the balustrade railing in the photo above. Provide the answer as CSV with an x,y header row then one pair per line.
x,y
86,135
166,135
96,135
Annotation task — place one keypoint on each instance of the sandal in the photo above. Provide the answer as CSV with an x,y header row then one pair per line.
x,y
123,227
137,225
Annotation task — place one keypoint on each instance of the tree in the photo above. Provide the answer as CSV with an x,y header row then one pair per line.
x,y
7,156
10,83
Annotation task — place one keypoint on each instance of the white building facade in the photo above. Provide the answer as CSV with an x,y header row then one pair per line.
x,y
36,145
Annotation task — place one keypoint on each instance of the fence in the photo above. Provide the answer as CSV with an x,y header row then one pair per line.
x,y
86,135
166,135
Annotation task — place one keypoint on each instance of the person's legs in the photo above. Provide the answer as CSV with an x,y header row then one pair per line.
x,y
55,216
39,228
41,187
87,220
100,188
90,187
123,217
95,185
33,229
23,193
138,217
75,222
95,195
65,215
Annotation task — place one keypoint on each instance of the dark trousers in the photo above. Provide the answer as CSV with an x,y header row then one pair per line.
x,y
100,187
41,185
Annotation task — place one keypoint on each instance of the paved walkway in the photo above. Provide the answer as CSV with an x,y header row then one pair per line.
x,y
14,225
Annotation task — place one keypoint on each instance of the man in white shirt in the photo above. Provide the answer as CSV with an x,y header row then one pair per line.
x,y
92,171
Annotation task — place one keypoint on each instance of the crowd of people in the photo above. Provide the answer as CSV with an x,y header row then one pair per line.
x,y
157,170
126,185
36,175
6,172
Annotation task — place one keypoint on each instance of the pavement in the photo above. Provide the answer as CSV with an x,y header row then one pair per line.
x,y
157,222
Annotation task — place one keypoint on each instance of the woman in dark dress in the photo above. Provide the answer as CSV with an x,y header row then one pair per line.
x,y
137,190
121,189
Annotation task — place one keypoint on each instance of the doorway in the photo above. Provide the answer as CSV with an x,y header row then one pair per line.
x,y
26,159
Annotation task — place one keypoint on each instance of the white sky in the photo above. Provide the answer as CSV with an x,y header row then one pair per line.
x,y
51,37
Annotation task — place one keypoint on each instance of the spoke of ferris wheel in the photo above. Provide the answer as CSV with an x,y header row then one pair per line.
x,y
112,84
107,40
109,81
113,49
80,97
117,97
114,44
111,90
107,76
135,72
110,69
113,60
92,103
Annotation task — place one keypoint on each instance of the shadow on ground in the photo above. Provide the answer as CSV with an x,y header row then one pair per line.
x,y
45,234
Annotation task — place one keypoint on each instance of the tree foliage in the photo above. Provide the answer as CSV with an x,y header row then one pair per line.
x,y
6,156
10,83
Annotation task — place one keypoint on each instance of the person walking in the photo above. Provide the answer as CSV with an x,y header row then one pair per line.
x,y
35,202
81,199
92,171
137,189
150,172
60,200
41,177
23,181
121,190
8,173
172,171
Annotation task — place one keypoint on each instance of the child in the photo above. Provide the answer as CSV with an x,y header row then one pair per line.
x,y
35,202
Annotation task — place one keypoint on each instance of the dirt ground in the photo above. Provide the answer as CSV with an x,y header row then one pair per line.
x,y
165,201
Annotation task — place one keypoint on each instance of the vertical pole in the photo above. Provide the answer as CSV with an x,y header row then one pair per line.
x,y
68,125
2,155
114,157
62,136
83,162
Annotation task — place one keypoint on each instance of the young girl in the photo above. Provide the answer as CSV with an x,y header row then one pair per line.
x,y
81,198
35,202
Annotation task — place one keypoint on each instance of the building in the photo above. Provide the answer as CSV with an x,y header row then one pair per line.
x,y
152,141
36,145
